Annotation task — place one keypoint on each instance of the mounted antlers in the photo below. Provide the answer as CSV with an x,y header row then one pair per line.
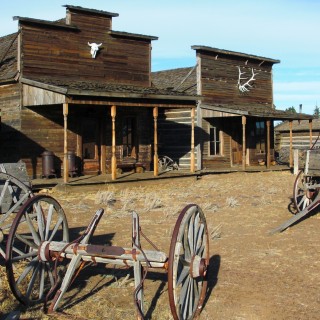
x,y
246,86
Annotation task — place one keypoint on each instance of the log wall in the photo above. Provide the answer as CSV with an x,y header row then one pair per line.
x,y
174,135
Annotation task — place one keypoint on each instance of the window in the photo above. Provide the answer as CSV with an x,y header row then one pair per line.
x,y
260,137
215,142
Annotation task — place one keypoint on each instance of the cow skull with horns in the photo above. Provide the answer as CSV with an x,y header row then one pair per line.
x,y
94,48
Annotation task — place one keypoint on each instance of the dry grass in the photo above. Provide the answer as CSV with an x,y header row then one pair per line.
x,y
253,275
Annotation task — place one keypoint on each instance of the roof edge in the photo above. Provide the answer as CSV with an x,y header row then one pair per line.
x,y
92,11
44,86
233,53
131,35
45,23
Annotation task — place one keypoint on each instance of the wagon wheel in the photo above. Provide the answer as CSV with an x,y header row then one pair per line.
x,y
13,193
188,263
167,164
40,219
305,191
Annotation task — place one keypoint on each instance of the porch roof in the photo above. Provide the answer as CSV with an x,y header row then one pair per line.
x,y
298,126
257,111
85,89
8,60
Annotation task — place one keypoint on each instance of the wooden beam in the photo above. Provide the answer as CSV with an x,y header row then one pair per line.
x,y
268,144
65,145
103,148
310,131
155,157
192,161
290,148
113,158
244,122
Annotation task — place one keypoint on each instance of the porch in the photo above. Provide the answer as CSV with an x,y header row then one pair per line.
x,y
134,177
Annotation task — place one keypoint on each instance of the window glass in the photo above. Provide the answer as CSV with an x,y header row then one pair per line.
x,y
214,144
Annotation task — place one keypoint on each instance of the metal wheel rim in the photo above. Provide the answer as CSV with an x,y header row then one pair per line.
x,y
302,196
186,295
29,278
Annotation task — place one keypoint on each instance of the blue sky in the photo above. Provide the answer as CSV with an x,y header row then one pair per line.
x,y
287,30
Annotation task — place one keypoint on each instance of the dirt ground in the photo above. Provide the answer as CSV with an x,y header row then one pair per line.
x,y
252,275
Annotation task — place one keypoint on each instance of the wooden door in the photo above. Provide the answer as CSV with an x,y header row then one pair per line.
x,y
236,146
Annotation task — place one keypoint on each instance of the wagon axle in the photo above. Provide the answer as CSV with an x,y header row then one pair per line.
x,y
39,239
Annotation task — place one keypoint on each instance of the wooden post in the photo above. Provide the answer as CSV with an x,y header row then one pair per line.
x,y
65,144
295,161
113,159
290,147
192,160
155,157
268,145
310,130
244,121
103,152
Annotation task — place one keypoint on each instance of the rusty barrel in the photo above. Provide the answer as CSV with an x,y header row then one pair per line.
x,y
48,164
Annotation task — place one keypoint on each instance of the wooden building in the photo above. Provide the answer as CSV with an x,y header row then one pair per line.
x,y
77,87
235,117
297,135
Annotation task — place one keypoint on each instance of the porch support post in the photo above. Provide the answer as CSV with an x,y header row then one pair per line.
x,y
268,144
290,147
192,160
113,158
103,144
65,144
244,122
310,130
155,157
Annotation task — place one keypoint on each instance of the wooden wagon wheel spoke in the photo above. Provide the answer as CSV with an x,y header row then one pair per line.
x,y
26,241
41,217
33,230
24,256
55,229
26,270
305,191
48,222
188,262
33,279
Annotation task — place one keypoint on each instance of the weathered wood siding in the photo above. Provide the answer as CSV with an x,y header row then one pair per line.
x,y
33,96
48,135
64,53
174,135
219,78
10,123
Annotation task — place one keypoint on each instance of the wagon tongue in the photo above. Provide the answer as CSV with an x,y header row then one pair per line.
x,y
297,217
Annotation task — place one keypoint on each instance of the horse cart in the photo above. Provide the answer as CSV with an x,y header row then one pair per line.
x,y
15,190
306,188
41,261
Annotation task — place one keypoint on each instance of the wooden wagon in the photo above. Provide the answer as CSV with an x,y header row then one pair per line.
x,y
15,190
306,189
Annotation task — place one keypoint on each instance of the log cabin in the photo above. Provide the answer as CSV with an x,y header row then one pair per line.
x,y
235,117
77,89
297,135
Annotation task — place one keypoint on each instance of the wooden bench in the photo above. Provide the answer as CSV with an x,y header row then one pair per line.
x,y
131,165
